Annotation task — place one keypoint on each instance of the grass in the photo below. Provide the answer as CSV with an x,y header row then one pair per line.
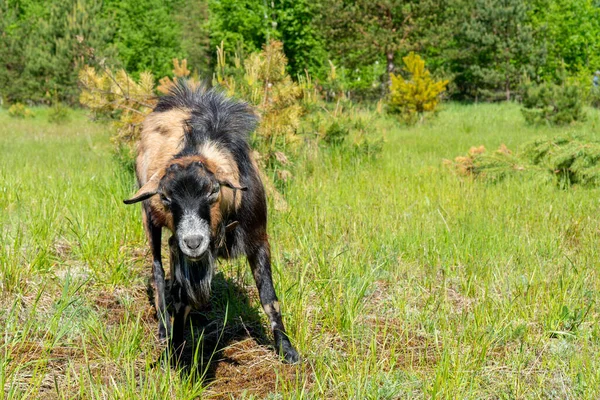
x,y
397,278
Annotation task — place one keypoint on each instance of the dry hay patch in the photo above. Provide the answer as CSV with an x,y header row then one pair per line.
x,y
246,367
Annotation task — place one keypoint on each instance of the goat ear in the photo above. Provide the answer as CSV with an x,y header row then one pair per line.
x,y
148,190
141,197
231,186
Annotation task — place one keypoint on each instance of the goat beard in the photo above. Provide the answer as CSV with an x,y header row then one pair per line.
x,y
193,277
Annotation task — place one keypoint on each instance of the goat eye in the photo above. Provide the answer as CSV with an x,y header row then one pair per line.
x,y
214,195
165,200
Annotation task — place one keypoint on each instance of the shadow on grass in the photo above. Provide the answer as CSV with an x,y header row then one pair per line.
x,y
228,318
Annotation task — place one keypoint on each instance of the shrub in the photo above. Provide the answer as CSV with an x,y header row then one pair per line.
x,y
18,110
120,96
59,114
126,101
490,166
551,103
594,97
336,133
262,81
571,159
416,95
566,160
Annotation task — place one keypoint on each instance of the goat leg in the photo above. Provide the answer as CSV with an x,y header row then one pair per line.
x,y
179,299
164,319
260,262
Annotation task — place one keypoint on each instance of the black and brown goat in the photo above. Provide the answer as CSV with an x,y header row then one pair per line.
x,y
197,178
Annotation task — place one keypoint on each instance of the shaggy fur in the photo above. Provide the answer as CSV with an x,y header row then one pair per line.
x,y
194,169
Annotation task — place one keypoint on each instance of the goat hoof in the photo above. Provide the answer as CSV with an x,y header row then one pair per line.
x,y
163,336
290,355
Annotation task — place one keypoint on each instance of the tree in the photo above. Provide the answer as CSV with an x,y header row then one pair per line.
x,y
147,38
570,29
416,95
494,47
302,38
360,32
244,25
43,45
192,16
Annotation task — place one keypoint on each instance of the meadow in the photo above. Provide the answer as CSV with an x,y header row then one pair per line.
x,y
397,278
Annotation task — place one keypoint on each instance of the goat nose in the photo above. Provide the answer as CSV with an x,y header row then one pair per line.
x,y
193,242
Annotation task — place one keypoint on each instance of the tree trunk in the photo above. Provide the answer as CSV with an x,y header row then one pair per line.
x,y
390,67
507,88
390,61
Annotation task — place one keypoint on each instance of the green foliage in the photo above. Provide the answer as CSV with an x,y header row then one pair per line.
x,y
336,133
264,82
18,110
43,44
570,31
565,160
571,159
553,103
242,25
148,37
304,44
59,114
126,100
494,48
487,48
362,32
192,18
594,97
416,95
347,130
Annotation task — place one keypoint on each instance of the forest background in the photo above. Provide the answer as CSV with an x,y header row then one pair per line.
x,y
487,49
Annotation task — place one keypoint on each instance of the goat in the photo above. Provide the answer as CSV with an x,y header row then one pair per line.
x,y
198,179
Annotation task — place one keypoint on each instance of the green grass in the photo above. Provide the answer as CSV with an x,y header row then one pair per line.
x,y
397,278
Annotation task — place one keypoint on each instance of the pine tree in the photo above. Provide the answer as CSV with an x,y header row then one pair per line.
x,y
264,82
192,16
418,94
364,31
43,45
117,94
494,47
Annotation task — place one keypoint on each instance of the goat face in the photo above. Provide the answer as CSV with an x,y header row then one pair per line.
x,y
189,193
187,196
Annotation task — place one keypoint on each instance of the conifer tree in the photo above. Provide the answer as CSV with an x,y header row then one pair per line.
x,y
360,32
416,95
43,45
494,47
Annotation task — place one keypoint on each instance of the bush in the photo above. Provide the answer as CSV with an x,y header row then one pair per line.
x,y
336,133
594,97
571,159
411,98
117,94
59,114
18,110
550,103
566,160
262,80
